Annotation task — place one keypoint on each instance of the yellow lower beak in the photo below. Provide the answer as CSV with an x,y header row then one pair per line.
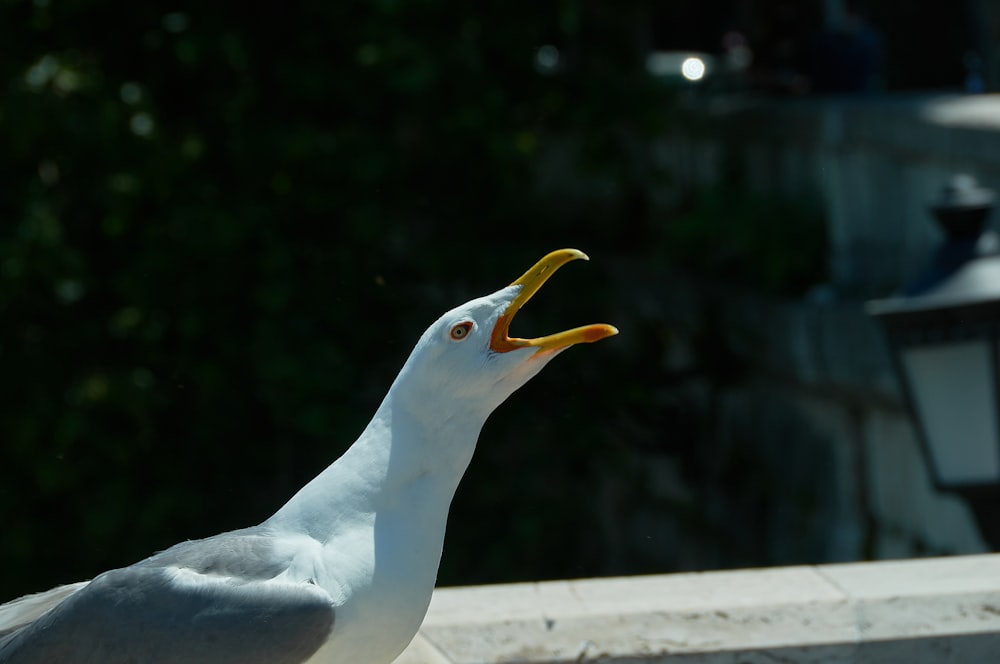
x,y
530,282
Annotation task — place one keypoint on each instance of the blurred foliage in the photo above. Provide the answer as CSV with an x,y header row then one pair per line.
x,y
224,227
771,243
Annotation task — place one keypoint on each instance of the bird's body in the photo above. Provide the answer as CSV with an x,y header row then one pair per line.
x,y
343,572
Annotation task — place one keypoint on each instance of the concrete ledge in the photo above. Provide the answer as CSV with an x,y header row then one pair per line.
x,y
927,610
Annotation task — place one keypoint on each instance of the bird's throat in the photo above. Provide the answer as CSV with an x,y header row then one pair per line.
x,y
402,463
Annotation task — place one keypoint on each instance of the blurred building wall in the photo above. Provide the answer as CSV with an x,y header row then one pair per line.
x,y
875,162
818,407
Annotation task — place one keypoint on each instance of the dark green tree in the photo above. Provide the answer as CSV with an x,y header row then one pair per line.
x,y
223,226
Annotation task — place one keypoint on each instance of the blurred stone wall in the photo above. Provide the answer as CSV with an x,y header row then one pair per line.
x,y
816,406
794,448
876,162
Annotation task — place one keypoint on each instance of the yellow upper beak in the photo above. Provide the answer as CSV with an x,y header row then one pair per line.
x,y
530,282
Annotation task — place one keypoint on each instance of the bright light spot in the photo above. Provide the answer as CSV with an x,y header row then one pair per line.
x,y
176,22
69,290
547,59
40,73
66,81
672,65
130,93
49,71
142,124
693,69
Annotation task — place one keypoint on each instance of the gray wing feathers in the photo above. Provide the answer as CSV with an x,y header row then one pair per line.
x,y
27,609
145,615
212,601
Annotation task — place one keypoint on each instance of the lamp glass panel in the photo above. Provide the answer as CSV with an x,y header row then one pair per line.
x,y
952,385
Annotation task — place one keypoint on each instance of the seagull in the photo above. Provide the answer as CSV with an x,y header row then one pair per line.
x,y
343,572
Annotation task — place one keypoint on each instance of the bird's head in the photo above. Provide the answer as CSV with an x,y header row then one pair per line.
x,y
468,356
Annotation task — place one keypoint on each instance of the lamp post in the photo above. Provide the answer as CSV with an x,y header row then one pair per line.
x,y
944,336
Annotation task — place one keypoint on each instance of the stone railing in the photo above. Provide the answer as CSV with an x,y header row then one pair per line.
x,y
926,610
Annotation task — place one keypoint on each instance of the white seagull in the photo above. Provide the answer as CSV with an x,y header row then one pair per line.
x,y
343,573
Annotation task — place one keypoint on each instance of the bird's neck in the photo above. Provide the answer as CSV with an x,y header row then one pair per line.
x,y
405,460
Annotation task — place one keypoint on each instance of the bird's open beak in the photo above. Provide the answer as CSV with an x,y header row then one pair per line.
x,y
530,282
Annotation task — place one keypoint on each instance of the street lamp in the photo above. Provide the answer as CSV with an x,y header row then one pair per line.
x,y
944,335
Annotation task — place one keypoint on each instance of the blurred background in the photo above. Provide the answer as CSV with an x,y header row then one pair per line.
x,y
223,227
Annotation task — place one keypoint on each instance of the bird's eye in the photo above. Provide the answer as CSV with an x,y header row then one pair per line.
x,y
461,331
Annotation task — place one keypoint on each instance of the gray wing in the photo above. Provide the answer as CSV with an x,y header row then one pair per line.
x,y
27,609
183,606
